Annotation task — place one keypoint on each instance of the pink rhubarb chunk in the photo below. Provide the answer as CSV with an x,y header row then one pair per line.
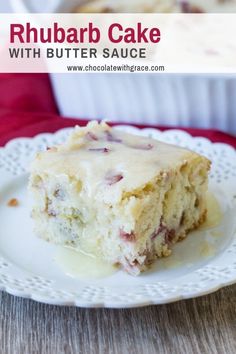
x,y
130,237
112,138
105,150
91,136
112,178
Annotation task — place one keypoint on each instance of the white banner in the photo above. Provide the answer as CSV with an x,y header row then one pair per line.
x,y
160,43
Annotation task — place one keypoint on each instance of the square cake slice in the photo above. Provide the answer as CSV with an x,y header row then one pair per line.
x,y
121,197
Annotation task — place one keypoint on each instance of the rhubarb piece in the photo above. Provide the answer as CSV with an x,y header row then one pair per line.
x,y
112,137
112,178
127,236
187,7
91,136
105,150
122,204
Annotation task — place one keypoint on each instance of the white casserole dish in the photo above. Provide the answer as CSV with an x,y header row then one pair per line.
x,y
207,101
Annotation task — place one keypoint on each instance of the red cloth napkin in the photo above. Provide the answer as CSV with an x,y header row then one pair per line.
x,y
28,108
26,93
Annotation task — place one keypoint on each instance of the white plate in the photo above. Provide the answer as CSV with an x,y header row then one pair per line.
x,y
28,269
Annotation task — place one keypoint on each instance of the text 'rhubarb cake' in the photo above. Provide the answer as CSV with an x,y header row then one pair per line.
x,y
121,197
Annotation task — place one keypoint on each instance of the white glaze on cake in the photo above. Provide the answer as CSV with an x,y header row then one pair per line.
x,y
121,197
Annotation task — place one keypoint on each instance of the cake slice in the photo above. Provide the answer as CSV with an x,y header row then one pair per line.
x,y
117,196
